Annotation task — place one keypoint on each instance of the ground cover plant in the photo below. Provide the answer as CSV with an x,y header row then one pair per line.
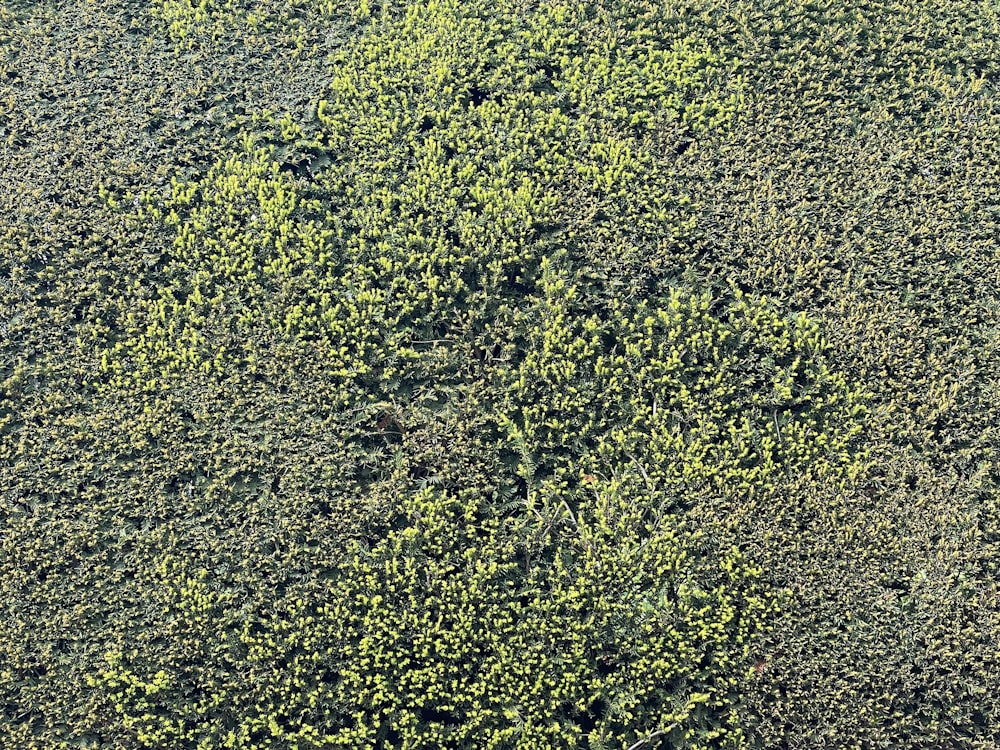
x,y
520,374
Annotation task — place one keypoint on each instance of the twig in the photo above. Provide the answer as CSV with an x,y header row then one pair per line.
x,y
651,737
572,517
645,476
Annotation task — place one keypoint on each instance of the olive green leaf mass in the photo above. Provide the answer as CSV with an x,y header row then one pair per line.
x,y
510,375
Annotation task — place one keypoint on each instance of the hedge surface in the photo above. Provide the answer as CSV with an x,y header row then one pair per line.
x,y
510,375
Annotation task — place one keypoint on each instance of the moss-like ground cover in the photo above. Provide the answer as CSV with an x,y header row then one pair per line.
x,y
518,374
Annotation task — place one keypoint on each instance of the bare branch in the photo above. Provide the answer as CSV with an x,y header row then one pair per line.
x,y
649,738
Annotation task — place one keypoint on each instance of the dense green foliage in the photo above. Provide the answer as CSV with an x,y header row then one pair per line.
x,y
576,374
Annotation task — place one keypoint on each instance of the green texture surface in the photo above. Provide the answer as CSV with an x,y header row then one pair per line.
x,y
512,374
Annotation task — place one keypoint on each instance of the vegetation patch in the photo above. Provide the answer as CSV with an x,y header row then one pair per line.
x,y
512,375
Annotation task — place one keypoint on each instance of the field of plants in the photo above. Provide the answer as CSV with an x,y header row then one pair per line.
x,y
499,374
